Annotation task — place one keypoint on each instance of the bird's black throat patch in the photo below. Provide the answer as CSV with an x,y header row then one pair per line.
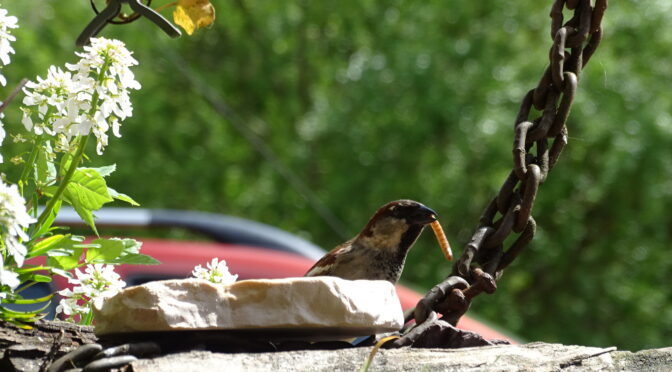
x,y
408,238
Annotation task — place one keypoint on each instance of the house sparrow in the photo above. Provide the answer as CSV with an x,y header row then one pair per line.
x,y
378,252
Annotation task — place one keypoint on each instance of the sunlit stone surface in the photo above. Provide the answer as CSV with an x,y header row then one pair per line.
x,y
317,307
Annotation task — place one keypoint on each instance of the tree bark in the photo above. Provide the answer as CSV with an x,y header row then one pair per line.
x,y
32,349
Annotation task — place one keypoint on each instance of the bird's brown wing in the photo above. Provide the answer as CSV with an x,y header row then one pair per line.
x,y
324,264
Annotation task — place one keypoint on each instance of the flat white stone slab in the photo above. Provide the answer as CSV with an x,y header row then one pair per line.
x,y
316,307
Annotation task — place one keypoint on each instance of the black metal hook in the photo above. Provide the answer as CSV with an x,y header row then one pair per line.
x,y
113,9
121,18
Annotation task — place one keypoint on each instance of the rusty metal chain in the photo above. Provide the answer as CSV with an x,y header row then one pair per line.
x,y
484,257
113,14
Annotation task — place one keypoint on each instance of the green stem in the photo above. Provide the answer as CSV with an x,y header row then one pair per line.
x,y
88,318
24,270
29,165
66,179
76,159
25,287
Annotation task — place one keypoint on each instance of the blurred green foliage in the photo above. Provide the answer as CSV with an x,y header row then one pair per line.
x,y
365,102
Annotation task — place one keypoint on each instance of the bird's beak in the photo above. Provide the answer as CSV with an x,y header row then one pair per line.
x,y
423,216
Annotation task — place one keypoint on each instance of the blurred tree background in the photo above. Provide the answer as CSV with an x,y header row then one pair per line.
x,y
309,115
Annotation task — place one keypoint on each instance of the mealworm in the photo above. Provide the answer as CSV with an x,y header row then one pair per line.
x,y
443,241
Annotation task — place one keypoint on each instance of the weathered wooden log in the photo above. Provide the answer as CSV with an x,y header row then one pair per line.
x,y
33,349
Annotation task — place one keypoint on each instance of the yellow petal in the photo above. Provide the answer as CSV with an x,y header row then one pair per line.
x,y
193,14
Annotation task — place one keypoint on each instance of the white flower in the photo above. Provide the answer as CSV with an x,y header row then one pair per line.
x,y
216,272
108,53
97,282
71,305
7,278
13,219
6,23
92,286
92,96
55,105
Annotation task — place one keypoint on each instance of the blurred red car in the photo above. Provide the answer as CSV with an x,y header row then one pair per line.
x,y
251,249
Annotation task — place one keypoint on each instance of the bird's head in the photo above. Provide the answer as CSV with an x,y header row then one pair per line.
x,y
396,226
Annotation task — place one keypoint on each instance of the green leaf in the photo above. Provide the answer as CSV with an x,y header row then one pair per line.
x,y
122,197
45,171
87,192
49,191
87,216
46,244
29,269
24,315
109,250
61,272
11,314
131,246
65,164
64,259
103,171
57,245
87,319
88,189
135,259
30,301
48,221
31,276
18,323
117,251
41,278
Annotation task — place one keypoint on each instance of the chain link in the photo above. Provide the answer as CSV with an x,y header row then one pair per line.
x,y
121,18
484,257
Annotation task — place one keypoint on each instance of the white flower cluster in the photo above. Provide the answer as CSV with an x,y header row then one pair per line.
x,y
216,272
13,219
92,287
7,278
6,23
91,96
